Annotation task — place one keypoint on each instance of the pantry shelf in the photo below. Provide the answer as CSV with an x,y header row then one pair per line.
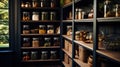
x,y
68,53
40,60
50,47
82,64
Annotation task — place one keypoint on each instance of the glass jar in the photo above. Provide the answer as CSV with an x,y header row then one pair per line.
x,y
42,29
33,55
90,15
77,35
56,41
22,4
44,16
69,30
26,16
26,42
50,29
79,14
25,56
43,3
47,42
27,4
53,55
76,13
34,3
35,42
26,29
35,16
108,9
52,16
53,3
117,10
44,55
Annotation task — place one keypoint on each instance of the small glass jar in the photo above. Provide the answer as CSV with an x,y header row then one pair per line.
x,y
69,30
34,3
50,29
56,41
76,13
33,55
35,42
27,4
47,42
26,16
79,14
53,3
25,56
77,35
35,16
44,16
42,29
53,55
26,29
52,16
26,42
44,55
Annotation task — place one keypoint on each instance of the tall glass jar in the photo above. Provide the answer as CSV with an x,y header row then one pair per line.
x,y
43,3
35,42
26,42
56,41
34,3
34,55
44,55
35,16
52,16
47,42
26,29
42,29
25,56
50,29
44,16
53,3
53,55
26,16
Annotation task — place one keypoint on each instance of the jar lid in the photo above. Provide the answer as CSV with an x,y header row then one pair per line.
x,y
52,51
56,38
33,52
25,26
35,38
44,51
77,32
47,38
41,25
35,12
69,26
26,38
52,12
25,53
49,25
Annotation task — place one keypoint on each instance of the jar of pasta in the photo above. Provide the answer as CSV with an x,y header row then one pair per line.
x,y
35,42
42,29
26,29
50,29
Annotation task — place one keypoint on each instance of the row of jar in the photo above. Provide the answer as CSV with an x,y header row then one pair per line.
x,y
36,16
39,3
37,42
43,55
41,29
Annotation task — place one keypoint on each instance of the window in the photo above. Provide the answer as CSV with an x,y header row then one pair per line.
x,y
4,23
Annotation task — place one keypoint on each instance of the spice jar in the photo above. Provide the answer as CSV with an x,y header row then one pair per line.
x,y
25,56
52,15
35,16
50,29
26,42
44,55
26,16
26,29
47,42
53,55
79,14
27,4
34,3
53,3
108,9
56,41
69,30
44,16
35,42
33,55
42,29
77,35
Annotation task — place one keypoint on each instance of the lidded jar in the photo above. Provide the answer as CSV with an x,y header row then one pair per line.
x,y
25,56
52,16
42,29
34,55
34,3
50,29
26,16
26,29
35,16
53,55
44,16
56,41
44,55
47,42
53,3
35,42
69,30
26,42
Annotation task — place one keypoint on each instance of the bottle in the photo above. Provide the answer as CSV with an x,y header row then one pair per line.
x,y
50,29
79,14
35,42
35,16
42,29
34,3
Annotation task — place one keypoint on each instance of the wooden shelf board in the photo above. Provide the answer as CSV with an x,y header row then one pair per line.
x,y
84,20
114,55
67,5
40,47
82,64
67,37
34,8
68,53
65,64
109,19
86,45
39,34
31,21
40,60
67,21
